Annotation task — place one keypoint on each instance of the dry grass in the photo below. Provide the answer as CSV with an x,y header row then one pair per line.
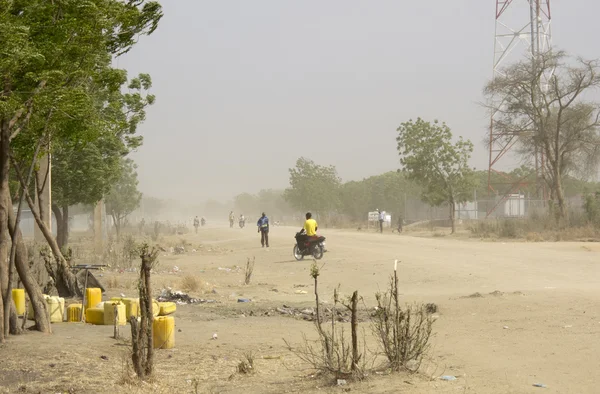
x,y
112,282
191,283
534,237
249,270
246,365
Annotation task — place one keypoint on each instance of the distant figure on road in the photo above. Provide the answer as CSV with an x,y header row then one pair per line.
x,y
381,220
142,226
196,223
263,229
231,219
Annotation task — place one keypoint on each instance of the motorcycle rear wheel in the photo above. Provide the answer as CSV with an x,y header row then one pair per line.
x,y
318,252
297,253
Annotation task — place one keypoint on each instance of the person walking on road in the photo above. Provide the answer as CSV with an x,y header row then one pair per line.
x,y
196,223
231,219
263,229
381,220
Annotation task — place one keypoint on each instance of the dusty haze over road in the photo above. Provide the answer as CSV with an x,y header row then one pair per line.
x,y
245,88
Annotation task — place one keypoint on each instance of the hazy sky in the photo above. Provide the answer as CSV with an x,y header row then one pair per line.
x,y
246,87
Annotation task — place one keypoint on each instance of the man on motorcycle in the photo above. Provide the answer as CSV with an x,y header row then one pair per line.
x,y
242,221
310,225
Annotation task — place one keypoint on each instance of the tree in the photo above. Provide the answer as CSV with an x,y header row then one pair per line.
x,y
51,52
543,102
313,187
83,170
124,196
429,157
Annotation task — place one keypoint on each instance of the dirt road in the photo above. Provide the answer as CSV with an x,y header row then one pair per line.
x,y
510,315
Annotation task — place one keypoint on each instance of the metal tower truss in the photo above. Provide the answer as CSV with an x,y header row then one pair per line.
x,y
523,31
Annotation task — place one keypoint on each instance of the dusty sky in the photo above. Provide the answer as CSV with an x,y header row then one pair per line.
x,y
246,87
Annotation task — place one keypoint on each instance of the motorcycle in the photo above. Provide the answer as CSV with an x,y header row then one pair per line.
x,y
242,223
306,247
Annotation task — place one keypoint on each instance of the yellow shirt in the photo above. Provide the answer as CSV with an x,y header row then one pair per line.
x,y
310,226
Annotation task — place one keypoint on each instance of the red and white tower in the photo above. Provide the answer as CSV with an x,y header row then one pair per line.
x,y
523,31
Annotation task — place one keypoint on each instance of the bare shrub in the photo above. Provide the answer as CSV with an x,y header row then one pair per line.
x,y
246,365
190,283
142,356
333,354
112,282
129,251
534,237
249,270
403,333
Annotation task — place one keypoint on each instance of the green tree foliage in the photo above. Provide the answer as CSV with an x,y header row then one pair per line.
x,y
313,187
56,57
124,197
269,201
83,170
441,167
387,191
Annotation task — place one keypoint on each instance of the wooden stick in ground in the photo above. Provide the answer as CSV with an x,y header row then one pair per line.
x,y
83,300
25,315
116,322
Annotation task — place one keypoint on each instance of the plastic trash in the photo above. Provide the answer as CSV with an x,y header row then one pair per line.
x,y
243,300
540,385
448,378
341,382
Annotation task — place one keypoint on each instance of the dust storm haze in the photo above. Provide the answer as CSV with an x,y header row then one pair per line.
x,y
245,88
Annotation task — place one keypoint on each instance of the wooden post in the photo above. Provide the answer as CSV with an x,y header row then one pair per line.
x,y
116,322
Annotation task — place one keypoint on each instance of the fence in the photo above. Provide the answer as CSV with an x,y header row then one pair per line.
x,y
515,206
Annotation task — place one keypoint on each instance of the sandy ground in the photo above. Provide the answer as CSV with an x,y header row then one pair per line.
x,y
534,320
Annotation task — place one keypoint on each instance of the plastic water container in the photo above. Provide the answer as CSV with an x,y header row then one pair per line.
x,y
163,336
132,306
56,309
155,308
93,296
18,296
166,308
74,313
109,313
94,316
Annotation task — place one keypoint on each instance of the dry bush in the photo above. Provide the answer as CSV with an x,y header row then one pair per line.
x,y
333,353
190,283
534,237
112,282
403,333
249,270
246,365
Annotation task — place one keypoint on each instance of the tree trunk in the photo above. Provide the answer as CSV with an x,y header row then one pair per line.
x,y
562,213
66,280
5,299
452,206
65,226
60,231
117,223
62,225
33,290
